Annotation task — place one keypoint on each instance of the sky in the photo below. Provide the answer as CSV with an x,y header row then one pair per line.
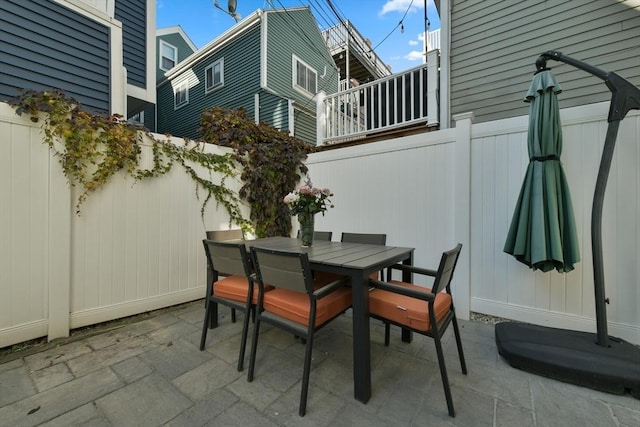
x,y
395,27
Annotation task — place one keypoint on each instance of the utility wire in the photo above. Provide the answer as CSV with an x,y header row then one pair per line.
x,y
394,28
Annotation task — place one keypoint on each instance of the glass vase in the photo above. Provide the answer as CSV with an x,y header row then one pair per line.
x,y
306,228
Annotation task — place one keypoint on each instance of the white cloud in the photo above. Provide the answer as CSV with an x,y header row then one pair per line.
x,y
413,43
414,55
400,6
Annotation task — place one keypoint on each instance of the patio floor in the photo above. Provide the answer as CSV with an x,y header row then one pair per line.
x,y
150,372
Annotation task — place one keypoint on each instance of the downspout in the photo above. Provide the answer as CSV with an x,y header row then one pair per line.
x,y
263,50
445,62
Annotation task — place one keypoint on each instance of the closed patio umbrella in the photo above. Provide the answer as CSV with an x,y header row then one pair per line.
x,y
596,361
543,233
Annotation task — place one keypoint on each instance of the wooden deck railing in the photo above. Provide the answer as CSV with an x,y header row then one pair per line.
x,y
400,100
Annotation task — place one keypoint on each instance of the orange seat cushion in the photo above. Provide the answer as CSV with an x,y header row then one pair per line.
x,y
295,306
236,288
405,310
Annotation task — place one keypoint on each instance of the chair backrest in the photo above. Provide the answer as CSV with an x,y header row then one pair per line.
x,y
367,238
227,258
283,269
319,235
445,270
221,235
322,235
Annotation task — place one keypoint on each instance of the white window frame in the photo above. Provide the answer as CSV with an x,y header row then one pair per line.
x,y
161,56
308,69
211,87
182,86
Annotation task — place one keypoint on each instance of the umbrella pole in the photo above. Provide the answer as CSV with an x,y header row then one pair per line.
x,y
596,233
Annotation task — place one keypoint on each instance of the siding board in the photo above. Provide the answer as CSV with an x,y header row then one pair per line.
x,y
494,45
133,15
45,45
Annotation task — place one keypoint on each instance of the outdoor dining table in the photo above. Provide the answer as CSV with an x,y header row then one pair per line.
x,y
357,261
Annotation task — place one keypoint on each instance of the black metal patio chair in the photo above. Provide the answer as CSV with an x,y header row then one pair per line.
x,y
294,305
424,311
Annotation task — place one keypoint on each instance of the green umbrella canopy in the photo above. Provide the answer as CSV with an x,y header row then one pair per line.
x,y
542,234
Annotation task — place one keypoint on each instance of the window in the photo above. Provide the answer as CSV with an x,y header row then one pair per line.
x,y
168,56
214,75
137,118
181,96
304,77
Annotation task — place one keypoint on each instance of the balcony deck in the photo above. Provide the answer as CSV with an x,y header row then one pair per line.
x,y
398,101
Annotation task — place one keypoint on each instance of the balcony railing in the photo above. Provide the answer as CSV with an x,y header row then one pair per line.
x,y
400,100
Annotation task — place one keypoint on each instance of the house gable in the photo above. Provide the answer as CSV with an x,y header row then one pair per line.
x,y
175,37
257,56
294,42
241,59
293,34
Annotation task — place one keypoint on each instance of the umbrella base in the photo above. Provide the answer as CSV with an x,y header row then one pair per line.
x,y
571,356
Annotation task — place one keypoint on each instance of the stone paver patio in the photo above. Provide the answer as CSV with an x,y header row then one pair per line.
x,y
149,372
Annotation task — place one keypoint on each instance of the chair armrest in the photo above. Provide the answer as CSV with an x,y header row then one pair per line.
x,y
330,287
402,290
414,269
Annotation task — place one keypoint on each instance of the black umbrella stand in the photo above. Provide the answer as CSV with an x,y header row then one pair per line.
x,y
596,361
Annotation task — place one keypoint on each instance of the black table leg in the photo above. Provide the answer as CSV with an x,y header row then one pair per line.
x,y
361,337
407,335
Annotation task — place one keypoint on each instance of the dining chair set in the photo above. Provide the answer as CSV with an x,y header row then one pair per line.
x,y
281,289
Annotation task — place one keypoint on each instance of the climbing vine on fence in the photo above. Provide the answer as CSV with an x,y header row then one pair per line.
x,y
93,148
271,162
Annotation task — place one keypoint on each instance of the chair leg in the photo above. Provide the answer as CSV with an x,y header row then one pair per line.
x,y
387,334
456,332
213,317
243,342
209,286
443,374
305,375
205,325
254,345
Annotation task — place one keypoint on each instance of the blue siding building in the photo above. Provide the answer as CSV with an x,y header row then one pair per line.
x,y
272,64
100,53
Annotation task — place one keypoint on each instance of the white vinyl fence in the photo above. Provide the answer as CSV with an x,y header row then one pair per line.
x,y
137,247
433,190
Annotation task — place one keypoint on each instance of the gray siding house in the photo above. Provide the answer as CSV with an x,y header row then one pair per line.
x,y
172,47
494,45
100,53
272,64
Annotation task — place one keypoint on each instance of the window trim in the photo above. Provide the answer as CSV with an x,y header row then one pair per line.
x,y
184,85
207,88
161,56
294,64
